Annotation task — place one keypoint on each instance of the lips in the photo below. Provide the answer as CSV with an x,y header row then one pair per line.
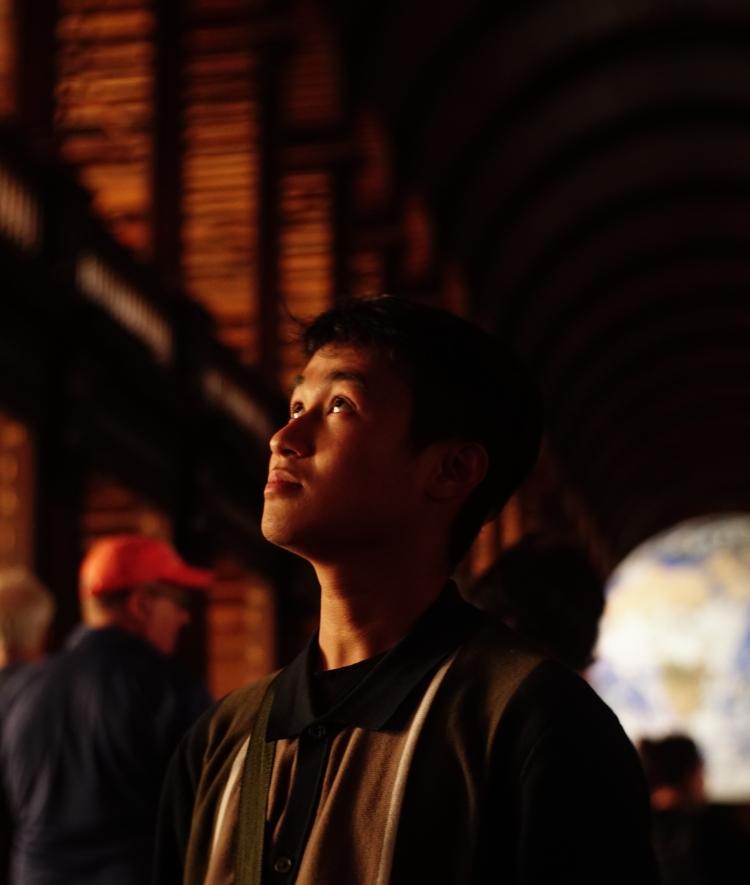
x,y
281,481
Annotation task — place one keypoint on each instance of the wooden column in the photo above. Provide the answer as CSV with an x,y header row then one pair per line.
x,y
35,71
167,169
269,91
60,492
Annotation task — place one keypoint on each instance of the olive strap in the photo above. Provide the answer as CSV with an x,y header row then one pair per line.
x,y
256,780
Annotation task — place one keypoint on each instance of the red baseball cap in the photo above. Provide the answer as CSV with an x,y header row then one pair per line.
x,y
120,562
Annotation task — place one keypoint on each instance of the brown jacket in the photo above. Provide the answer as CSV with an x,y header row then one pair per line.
x,y
497,766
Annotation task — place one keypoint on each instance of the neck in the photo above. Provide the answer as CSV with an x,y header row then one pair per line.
x,y
99,618
367,607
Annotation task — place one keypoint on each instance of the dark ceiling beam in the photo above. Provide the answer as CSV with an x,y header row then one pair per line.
x,y
689,119
673,455
585,270
392,44
704,402
662,502
503,55
663,283
672,339
648,391
644,513
559,83
564,428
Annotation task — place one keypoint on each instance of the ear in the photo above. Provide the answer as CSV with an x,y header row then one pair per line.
x,y
139,604
460,468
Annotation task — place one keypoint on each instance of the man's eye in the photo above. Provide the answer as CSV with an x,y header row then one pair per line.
x,y
339,404
295,410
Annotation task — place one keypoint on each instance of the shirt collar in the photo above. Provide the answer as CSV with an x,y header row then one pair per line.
x,y
375,701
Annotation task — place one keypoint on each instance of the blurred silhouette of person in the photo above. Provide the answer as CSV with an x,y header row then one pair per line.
x,y
675,772
26,609
547,590
86,743
695,844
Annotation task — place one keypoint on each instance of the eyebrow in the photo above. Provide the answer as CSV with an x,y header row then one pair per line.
x,y
357,378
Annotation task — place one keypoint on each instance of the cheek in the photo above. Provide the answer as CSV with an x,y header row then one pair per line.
x,y
168,619
382,476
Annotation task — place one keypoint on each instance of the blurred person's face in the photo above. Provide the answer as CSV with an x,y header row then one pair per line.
x,y
343,471
164,611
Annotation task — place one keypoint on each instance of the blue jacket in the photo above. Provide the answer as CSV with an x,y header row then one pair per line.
x,y
83,749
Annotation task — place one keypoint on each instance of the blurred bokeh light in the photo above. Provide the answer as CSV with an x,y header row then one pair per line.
x,y
674,647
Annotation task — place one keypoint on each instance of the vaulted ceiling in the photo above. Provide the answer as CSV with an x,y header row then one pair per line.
x,y
587,164
579,169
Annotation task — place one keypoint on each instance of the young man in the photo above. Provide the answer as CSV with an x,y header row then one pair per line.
x,y
84,746
412,740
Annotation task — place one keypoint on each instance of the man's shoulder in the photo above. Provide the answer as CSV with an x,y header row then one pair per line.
x,y
238,708
99,653
502,671
551,711
495,655
16,684
214,739
495,651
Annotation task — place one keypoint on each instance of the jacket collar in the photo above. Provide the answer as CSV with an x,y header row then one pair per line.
x,y
377,699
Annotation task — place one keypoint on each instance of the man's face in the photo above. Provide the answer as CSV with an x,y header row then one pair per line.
x,y
343,473
165,612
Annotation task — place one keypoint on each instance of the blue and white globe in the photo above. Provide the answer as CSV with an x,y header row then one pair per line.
x,y
674,645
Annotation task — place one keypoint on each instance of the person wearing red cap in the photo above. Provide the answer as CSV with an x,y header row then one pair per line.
x,y
138,584
86,744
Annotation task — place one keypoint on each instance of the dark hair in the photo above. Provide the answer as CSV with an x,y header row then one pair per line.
x,y
546,588
465,385
669,761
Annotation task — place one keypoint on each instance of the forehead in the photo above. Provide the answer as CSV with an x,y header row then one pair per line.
x,y
364,366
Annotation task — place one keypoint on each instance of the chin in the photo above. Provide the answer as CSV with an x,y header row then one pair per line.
x,y
296,539
277,531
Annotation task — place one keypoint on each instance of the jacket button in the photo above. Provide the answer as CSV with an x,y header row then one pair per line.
x,y
282,864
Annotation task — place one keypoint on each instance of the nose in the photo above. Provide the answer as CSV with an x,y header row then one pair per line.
x,y
293,439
